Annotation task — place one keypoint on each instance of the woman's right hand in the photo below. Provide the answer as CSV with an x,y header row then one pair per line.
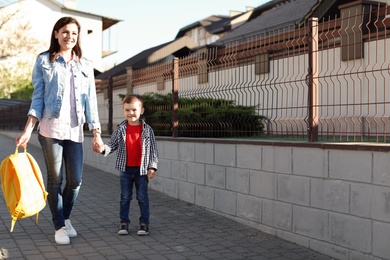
x,y
22,140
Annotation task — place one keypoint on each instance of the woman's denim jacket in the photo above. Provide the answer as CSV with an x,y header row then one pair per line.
x,y
49,83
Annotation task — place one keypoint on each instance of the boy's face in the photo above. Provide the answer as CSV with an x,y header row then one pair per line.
x,y
132,112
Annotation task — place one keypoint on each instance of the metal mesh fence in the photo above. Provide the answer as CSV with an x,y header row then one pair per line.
x,y
323,81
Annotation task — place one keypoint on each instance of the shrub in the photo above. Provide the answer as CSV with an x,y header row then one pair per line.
x,y
202,117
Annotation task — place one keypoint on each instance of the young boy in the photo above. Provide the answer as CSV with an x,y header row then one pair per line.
x,y
137,158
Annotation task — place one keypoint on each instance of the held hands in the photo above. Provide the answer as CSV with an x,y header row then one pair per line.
x,y
97,144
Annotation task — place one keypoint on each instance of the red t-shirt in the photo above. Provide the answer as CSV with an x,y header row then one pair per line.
x,y
133,145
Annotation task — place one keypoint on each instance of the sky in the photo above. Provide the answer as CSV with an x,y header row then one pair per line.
x,y
148,23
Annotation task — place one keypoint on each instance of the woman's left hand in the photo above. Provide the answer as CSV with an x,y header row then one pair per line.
x,y
97,143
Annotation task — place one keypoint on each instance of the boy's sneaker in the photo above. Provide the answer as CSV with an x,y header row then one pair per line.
x,y
143,230
124,229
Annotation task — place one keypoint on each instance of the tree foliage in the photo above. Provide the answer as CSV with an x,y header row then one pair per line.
x,y
18,47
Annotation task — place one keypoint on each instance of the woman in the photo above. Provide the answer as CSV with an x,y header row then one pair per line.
x,y
64,98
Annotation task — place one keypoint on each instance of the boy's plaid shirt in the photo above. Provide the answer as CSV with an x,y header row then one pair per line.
x,y
149,147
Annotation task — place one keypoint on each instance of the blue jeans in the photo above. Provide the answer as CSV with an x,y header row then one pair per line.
x,y
129,178
62,155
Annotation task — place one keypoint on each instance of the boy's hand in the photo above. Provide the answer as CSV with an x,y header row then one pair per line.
x,y
151,173
98,149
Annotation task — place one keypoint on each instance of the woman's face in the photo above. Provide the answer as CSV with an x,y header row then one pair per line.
x,y
67,36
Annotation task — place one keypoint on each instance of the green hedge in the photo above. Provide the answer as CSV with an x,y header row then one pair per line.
x,y
202,117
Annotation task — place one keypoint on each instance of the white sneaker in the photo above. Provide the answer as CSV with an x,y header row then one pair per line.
x,y
61,236
70,229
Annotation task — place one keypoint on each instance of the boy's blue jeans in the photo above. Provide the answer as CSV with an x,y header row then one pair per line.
x,y
57,153
128,179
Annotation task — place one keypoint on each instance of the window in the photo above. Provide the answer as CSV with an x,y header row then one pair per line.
x,y
160,83
261,64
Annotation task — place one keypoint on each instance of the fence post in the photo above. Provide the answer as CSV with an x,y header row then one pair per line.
x,y
110,105
175,97
313,81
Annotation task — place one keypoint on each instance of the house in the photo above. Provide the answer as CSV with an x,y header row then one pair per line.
x,y
45,13
279,15
160,53
210,29
188,40
270,17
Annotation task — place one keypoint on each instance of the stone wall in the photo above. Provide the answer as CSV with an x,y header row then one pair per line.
x,y
332,198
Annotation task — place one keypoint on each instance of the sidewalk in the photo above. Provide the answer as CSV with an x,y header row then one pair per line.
x,y
178,230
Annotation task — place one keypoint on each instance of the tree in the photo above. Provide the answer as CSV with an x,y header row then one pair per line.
x,y
17,51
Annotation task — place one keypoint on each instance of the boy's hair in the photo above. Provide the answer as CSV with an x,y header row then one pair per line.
x,y
130,98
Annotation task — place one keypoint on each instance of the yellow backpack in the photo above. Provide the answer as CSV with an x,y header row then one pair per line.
x,y
22,185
